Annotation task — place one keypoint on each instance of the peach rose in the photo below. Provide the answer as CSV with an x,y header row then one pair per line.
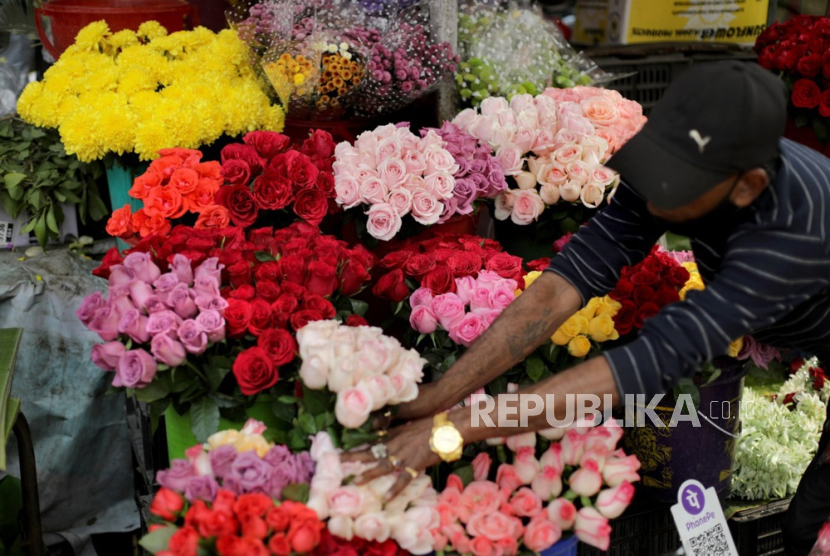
x,y
541,534
526,503
544,143
480,497
492,525
612,502
620,469
384,221
507,479
214,216
549,194
526,180
353,406
567,154
526,464
372,527
504,204
481,466
600,110
562,512
570,191
510,157
587,480
552,173
527,207
593,529
592,195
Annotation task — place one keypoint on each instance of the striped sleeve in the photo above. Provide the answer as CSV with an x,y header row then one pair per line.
x,y
765,275
621,235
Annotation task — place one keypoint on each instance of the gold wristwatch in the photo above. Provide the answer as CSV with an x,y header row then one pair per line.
x,y
446,441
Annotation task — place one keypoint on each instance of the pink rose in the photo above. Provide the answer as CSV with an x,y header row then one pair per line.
x,y
134,325
526,464
380,389
612,502
573,446
592,195
90,304
482,128
448,309
182,269
578,172
167,350
544,143
348,191
374,191
426,208
593,529
213,324
440,184
415,162
603,176
562,512
565,137
587,480
372,527
105,322
143,266
520,103
552,173
523,440
392,172
619,470
481,466
193,338
480,299
464,287
136,369
412,532
181,301
384,221
140,293
464,118
611,138
570,191
549,194
353,406
489,317
510,157
553,457
120,275
163,322
106,356
600,111
526,137
504,205
165,283
541,534
527,207
507,479
209,268
491,525
548,484
365,173
502,296
401,199
421,296
567,154
389,147
526,503
493,105
423,319
480,497
345,501
439,159
468,329
555,433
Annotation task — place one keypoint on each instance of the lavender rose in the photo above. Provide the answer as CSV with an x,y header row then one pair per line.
x,y
89,305
134,325
192,337
162,322
136,369
180,299
213,324
249,474
221,460
181,268
201,488
143,265
178,477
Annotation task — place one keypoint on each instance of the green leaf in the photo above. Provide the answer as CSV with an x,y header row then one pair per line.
x,y
283,411
821,129
11,206
307,423
40,231
317,401
157,409
359,307
801,121
156,390
13,179
216,373
158,540
264,256
297,440
356,437
16,192
287,399
535,368
70,196
97,208
51,221
225,401
687,386
465,473
298,492
324,420
204,418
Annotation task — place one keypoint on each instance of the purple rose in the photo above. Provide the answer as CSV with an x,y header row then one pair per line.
x,y
201,488
221,460
178,477
167,350
163,321
89,305
213,324
121,275
105,323
120,300
481,183
249,474
277,455
210,267
136,369
465,192
478,167
134,325
306,465
450,207
140,292
181,268
181,300
155,304
165,283
143,265
211,303
463,167
497,184
206,285
107,355
281,477
193,338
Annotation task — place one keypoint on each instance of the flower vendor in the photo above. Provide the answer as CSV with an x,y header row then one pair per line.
x,y
710,164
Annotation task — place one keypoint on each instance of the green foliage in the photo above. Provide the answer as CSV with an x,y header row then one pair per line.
x,y
38,175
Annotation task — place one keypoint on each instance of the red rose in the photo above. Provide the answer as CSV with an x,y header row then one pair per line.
x,y
643,294
269,271
185,541
809,66
267,144
268,290
245,153
824,104
646,311
256,505
113,257
418,265
806,94
254,527
218,524
666,295
245,292
356,320
166,504
353,277
464,264
392,286
260,316
237,315
239,274
302,318
291,288
507,266
254,371
261,237
294,269
302,172
320,305
325,183
644,278
442,255
322,278
624,319
278,519
236,172
787,57
240,203
439,281
311,205
285,303
395,259
677,276
319,143
796,365
539,264
273,192
361,255
279,344
279,545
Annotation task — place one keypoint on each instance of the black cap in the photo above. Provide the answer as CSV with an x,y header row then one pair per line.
x,y
716,120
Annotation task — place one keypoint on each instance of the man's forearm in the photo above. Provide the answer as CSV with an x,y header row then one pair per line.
x,y
525,325
591,377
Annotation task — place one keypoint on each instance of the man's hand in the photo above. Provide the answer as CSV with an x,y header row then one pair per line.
x,y
426,404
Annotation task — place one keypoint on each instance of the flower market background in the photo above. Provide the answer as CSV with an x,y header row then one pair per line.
x,y
212,213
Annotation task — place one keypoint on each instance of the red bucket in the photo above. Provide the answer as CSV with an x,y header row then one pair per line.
x,y
67,17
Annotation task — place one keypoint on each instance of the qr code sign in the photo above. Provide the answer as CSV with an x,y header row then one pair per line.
x,y
711,543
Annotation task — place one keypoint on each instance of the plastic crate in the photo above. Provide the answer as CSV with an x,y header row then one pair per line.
x,y
639,533
646,78
757,532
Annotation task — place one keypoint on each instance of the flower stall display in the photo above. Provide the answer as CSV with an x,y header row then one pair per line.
x,y
40,180
806,378
796,50
144,91
508,50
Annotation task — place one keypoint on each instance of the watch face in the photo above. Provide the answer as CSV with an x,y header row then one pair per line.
x,y
446,439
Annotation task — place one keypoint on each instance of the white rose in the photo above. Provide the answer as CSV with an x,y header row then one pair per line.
x,y
353,406
526,180
504,204
549,193
570,191
493,105
592,195
372,527
342,526
314,373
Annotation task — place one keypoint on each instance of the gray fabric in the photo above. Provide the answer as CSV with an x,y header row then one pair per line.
x,y
82,443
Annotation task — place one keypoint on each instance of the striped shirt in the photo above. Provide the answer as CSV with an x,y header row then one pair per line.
x,y
769,276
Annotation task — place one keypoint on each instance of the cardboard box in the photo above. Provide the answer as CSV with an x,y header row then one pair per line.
x,y
591,22
649,21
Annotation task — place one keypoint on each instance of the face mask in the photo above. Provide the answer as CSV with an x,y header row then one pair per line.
x,y
715,223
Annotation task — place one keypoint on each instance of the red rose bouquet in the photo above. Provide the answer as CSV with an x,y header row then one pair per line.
x,y
799,51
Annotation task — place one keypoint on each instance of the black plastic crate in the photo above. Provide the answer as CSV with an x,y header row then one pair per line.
x,y
639,532
757,532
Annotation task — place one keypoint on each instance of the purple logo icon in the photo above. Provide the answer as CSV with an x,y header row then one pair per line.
x,y
693,499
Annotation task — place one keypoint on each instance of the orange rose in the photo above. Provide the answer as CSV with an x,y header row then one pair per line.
x,y
211,170
146,225
144,183
164,201
121,223
166,165
185,180
214,216
202,197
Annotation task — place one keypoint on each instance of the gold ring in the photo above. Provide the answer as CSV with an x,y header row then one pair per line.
x,y
396,462
381,434
387,414
414,474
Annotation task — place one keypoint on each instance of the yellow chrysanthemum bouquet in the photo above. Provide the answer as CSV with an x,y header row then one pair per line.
x,y
145,91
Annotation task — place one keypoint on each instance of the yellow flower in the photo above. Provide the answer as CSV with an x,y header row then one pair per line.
x,y
223,438
608,306
590,309
601,329
736,347
249,442
151,30
693,283
91,36
122,39
572,327
579,346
